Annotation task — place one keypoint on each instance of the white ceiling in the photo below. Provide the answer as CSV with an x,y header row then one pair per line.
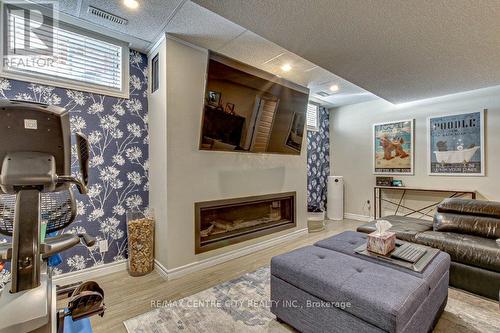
x,y
399,50
197,25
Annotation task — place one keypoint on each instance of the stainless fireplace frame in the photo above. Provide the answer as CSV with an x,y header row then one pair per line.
x,y
243,236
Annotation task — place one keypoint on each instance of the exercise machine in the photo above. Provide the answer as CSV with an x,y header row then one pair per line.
x,y
36,200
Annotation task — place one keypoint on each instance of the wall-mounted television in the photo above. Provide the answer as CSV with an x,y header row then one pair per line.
x,y
249,110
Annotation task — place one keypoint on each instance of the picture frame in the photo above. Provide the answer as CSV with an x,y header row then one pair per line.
x,y
394,147
213,98
456,136
294,138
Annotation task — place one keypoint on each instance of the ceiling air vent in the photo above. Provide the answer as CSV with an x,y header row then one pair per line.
x,y
323,94
106,16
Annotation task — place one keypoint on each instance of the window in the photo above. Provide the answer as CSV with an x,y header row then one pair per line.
x,y
312,117
155,80
40,51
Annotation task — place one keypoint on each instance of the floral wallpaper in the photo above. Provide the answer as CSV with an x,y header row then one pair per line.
x,y
318,162
117,131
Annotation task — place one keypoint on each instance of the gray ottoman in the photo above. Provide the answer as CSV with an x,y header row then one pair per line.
x,y
329,288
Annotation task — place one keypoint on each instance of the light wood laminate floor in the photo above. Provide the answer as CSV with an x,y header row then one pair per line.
x,y
127,296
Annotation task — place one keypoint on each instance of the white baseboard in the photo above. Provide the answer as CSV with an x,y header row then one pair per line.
x,y
358,217
178,272
162,270
90,273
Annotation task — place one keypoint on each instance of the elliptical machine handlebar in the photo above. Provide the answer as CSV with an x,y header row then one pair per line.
x,y
64,242
82,150
52,245
82,188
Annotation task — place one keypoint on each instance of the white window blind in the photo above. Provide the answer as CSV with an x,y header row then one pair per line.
x,y
312,117
66,56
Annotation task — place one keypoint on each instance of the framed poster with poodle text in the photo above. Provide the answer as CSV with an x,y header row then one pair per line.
x,y
393,147
455,144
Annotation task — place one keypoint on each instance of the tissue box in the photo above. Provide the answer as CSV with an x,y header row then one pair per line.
x,y
381,243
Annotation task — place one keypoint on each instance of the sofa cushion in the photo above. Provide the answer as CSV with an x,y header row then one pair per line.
x,y
466,249
382,296
470,207
478,225
406,228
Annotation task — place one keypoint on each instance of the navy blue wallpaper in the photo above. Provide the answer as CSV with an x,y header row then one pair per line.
x,y
318,162
118,134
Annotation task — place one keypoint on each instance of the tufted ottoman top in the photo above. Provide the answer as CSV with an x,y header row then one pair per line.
x,y
348,241
383,296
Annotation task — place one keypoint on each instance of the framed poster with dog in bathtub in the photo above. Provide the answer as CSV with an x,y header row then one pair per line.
x,y
393,147
455,144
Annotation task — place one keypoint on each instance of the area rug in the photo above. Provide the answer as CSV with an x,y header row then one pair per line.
x,y
242,305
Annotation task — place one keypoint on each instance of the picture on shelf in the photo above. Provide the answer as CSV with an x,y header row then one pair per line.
x,y
455,144
393,149
397,182
213,98
229,108
384,181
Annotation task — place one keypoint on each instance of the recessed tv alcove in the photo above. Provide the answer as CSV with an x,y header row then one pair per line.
x,y
224,222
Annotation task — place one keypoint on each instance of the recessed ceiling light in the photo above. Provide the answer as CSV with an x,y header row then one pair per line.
x,y
334,87
133,4
286,67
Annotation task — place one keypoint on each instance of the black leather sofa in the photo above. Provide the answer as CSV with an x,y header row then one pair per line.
x,y
468,231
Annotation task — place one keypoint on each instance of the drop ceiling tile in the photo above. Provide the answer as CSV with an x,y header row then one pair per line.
x,y
202,27
321,77
298,64
256,51
146,22
252,49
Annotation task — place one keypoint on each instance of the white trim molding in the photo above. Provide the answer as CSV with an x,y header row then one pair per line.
x,y
184,42
160,269
358,217
180,271
90,273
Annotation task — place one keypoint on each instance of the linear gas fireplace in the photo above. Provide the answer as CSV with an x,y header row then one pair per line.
x,y
224,222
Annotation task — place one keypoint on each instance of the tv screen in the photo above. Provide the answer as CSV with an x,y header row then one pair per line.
x,y
249,110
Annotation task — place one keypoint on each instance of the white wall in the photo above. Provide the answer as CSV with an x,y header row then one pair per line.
x,y
193,175
157,124
351,146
